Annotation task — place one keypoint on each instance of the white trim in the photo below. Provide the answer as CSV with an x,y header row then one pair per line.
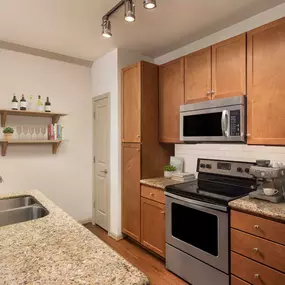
x,y
85,221
95,99
115,237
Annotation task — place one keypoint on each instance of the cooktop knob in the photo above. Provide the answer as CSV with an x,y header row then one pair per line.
x,y
202,165
246,170
239,169
209,166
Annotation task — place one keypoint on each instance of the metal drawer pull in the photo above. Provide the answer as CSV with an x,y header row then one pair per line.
x,y
256,227
255,249
151,194
256,276
162,212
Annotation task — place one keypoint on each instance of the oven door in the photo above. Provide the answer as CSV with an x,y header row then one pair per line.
x,y
213,124
197,228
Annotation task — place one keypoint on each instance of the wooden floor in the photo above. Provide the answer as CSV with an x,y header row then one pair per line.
x,y
152,266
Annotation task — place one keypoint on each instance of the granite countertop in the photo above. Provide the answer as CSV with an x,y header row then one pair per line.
x,y
260,208
159,182
57,250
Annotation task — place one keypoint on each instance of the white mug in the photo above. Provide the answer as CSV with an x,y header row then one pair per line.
x,y
270,191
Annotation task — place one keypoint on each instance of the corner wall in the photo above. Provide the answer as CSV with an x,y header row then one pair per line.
x,y
106,77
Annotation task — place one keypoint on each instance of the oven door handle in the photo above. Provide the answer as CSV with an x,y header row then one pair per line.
x,y
198,203
225,123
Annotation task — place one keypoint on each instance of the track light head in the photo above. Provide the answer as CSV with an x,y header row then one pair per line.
x,y
106,28
149,4
129,11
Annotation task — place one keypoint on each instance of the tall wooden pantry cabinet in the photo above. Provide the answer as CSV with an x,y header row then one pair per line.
x,y
142,154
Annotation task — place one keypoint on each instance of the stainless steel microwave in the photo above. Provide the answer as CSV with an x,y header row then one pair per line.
x,y
219,120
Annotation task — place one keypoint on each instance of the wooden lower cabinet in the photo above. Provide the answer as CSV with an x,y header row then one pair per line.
x,y
131,167
153,226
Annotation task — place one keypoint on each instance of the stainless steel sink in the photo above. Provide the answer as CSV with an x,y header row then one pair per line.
x,y
16,202
22,214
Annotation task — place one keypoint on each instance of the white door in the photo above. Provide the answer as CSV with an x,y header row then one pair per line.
x,y
101,162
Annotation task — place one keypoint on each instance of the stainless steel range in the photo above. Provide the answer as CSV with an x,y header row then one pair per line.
x,y
197,221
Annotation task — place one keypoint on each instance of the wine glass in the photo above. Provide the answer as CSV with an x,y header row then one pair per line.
x,y
25,131
19,131
37,131
31,131
43,131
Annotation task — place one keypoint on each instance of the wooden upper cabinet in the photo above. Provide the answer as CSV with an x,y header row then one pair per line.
x,y
171,96
131,103
198,76
229,68
131,167
266,84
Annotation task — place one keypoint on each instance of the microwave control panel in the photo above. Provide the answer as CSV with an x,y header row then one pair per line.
x,y
235,123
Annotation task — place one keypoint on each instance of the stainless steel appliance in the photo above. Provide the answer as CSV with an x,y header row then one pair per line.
x,y
220,120
270,178
197,221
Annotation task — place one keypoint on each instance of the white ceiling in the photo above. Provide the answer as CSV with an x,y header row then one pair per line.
x,y
73,27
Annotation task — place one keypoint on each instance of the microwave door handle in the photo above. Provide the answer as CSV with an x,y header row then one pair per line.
x,y
225,123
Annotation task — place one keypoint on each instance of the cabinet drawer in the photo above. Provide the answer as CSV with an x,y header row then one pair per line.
x,y
237,281
153,194
258,226
255,273
261,250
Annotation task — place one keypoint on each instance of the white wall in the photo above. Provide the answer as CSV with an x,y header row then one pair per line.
x,y
190,152
241,27
65,177
106,77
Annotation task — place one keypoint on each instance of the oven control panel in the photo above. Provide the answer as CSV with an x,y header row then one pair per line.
x,y
230,168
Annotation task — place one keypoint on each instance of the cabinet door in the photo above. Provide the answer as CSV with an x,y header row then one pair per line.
x,y
131,165
131,104
198,76
266,84
229,68
153,226
171,96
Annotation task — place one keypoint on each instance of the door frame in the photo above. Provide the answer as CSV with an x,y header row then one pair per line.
x,y
94,100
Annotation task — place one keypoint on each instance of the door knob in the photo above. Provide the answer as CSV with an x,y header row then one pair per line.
x,y
104,171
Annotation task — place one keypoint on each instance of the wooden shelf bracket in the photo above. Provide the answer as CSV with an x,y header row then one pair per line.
x,y
3,119
55,147
4,148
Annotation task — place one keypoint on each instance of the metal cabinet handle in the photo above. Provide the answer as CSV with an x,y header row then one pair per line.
x,y
255,249
248,135
151,194
104,171
162,212
138,136
256,227
225,123
209,93
256,276
213,92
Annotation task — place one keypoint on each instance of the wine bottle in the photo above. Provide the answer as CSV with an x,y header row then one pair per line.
x,y
23,103
14,104
47,105
39,104
30,103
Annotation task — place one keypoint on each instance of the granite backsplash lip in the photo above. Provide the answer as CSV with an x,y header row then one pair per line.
x,y
57,250
261,208
159,182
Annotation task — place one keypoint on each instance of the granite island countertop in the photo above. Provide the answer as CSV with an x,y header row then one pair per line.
x,y
261,208
57,250
159,182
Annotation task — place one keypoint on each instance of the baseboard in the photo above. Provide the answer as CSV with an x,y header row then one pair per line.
x,y
85,221
116,237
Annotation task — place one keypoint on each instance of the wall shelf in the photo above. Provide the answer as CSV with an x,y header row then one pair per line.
x,y
5,112
4,144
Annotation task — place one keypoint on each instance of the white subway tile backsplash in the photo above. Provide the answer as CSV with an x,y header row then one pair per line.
x,y
235,152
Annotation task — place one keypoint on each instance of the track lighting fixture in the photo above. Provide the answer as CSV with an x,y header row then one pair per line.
x,y
106,27
129,11
149,4
129,14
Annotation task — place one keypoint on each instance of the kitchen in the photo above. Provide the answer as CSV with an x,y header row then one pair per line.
x,y
150,108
